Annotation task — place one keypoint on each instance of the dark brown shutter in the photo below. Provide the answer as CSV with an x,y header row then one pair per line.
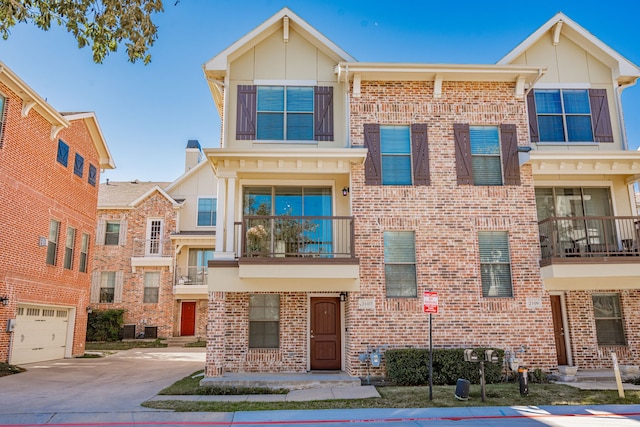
x,y
246,115
373,163
600,116
464,167
510,161
534,133
420,149
323,114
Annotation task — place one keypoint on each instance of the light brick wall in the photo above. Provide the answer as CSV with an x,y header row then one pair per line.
x,y
446,219
35,188
118,258
587,354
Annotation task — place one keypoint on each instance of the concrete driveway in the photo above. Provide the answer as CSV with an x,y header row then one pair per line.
x,y
116,383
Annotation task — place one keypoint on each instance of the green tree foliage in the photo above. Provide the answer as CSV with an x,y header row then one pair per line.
x,y
105,325
102,24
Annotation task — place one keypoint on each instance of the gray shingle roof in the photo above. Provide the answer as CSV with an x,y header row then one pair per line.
x,y
121,193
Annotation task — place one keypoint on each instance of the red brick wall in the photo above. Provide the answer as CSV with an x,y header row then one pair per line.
x,y
35,188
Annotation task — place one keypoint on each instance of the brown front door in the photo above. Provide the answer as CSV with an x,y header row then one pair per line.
x,y
558,329
188,319
325,334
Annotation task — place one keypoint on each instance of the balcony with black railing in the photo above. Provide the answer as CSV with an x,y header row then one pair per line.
x,y
312,239
589,239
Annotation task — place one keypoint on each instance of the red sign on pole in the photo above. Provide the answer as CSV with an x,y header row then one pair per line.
x,y
430,302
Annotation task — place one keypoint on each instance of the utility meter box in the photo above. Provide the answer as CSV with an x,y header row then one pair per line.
x,y
11,325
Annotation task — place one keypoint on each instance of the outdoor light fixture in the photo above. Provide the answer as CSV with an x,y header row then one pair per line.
x,y
89,309
4,300
343,296
345,191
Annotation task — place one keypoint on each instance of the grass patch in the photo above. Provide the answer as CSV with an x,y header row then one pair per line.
x,y
191,386
505,394
124,345
6,369
196,344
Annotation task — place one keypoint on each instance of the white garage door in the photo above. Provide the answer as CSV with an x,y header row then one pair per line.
x,y
40,334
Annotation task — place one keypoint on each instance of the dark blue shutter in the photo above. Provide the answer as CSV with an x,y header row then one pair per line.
x,y
63,153
246,112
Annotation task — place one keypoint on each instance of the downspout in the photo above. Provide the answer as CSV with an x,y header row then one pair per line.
x,y
623,130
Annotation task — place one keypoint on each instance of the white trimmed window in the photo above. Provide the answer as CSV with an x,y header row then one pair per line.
x,y
52,243
495,264
400,264
151,287
69,248
264,321
608,315
84,253
107,286
206,212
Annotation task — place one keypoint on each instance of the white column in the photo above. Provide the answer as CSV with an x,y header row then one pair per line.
x,y
230,214
220,217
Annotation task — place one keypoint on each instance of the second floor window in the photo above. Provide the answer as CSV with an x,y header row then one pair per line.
x,y
69,247
84,253
206,212
52,244
151,287
285,113
569,115
112,233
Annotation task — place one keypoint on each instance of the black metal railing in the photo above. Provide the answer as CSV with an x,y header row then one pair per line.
x,y
288,236
191,276
152,248
588,237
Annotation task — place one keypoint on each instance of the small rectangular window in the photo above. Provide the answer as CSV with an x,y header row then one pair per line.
x,y
264,321
400,264
78,165
93,175
608,315
84,253
395,151
107,286
206,212
52,243
63,153
68,248
112,233
495,264
151,287
485,155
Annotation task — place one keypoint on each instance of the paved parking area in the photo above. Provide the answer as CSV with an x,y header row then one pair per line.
x,y
119,382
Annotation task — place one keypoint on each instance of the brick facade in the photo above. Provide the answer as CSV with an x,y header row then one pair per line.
x,y
34,189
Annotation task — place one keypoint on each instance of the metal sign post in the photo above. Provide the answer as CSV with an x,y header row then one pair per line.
x,y
430,300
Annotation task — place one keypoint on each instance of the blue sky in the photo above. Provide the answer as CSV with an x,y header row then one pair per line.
x,y
148,113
